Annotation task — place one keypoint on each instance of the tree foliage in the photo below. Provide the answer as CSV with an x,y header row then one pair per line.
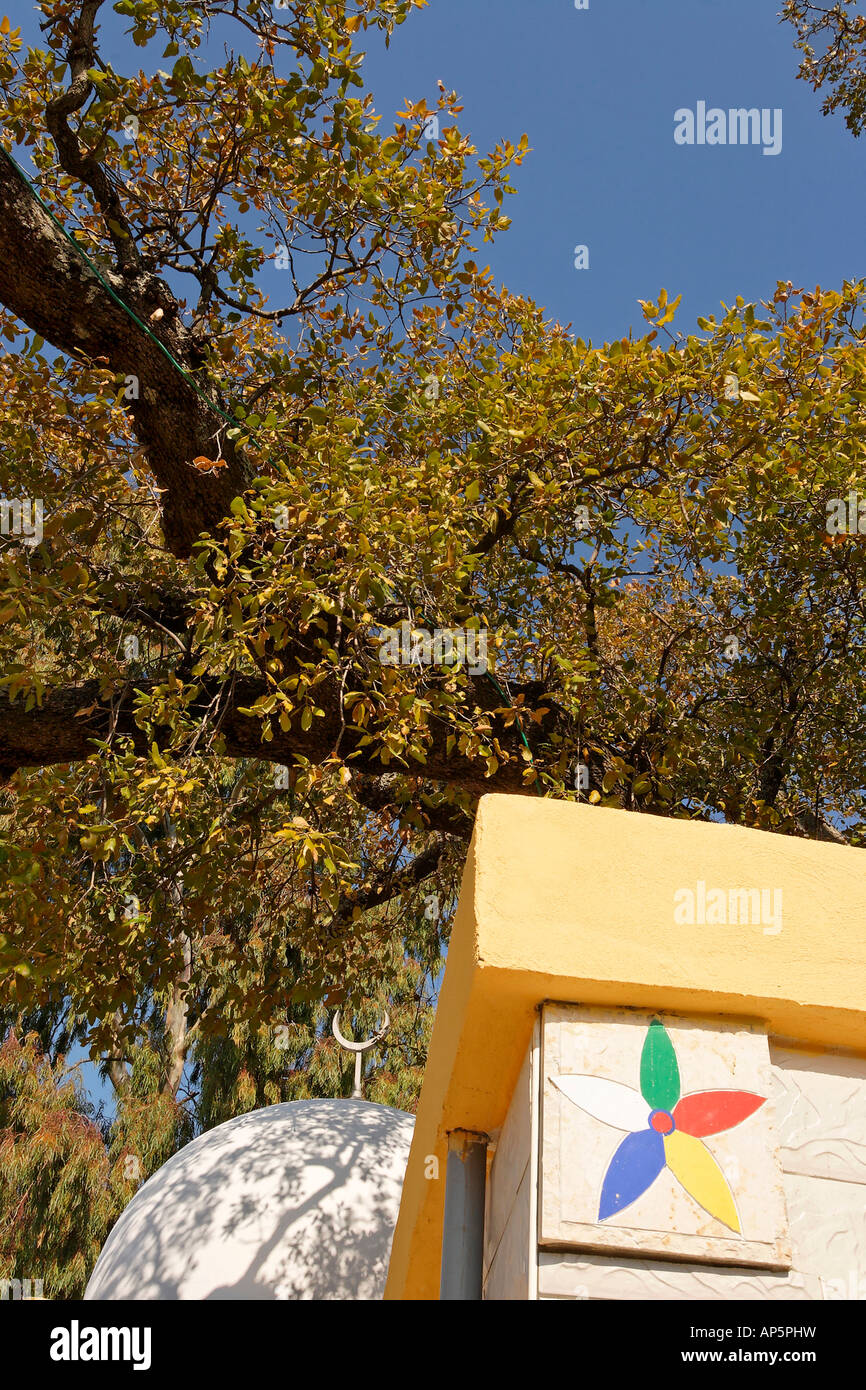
x,y
832,40
56,1195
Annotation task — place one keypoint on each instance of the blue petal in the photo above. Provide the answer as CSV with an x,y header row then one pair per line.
x,y
635,1165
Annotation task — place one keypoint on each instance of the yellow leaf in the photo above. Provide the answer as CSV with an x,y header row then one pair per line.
x,y
5,25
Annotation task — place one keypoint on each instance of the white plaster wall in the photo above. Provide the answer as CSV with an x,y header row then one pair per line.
x,y
509,1227
821,1113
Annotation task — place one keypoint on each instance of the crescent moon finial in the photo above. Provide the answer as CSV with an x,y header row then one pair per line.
x,y
359,1048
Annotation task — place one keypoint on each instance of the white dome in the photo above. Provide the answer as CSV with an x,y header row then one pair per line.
x,y
296,1201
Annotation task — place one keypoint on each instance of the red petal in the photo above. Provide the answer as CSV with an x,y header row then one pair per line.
x,y
708,1112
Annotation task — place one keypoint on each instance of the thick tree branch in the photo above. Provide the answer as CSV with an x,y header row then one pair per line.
x,y
47,285
390,885
380,794
81,56
817,828
63,729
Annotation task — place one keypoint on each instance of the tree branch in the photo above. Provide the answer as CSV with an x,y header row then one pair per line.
x,y
63,729
390,885
55,293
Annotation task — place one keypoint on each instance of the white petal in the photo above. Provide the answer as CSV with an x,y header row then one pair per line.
x,y
610,1101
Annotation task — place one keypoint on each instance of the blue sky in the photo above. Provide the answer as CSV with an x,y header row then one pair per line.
x,y
596,91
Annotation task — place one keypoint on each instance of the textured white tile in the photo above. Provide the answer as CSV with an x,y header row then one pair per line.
x,y
828,1230
510,1161
592,1276
821,1113
508,1276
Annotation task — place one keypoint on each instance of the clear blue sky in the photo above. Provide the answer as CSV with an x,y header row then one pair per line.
x,y
596,92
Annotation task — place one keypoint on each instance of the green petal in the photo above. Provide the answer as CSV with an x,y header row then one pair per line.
x,y
659,1073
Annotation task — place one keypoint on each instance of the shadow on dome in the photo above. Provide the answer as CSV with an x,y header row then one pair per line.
x,y
296,1201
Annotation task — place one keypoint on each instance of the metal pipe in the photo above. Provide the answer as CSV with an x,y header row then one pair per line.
x,y
463,1225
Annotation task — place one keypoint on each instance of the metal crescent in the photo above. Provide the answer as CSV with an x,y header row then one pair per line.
x,y
359,1047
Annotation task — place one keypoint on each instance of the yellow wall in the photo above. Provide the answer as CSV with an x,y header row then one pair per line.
x,y
573,902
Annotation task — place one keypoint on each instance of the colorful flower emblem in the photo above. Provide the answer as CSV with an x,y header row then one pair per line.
x,y
665,1130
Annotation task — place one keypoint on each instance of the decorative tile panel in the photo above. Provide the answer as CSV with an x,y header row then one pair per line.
x,y
658,1138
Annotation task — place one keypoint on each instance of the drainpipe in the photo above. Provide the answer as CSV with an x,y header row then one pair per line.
x,y
463,1226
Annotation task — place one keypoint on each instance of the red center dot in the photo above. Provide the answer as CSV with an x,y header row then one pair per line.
x,y
662,1122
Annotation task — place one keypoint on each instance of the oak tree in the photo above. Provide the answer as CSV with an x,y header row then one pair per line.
x,y
275,407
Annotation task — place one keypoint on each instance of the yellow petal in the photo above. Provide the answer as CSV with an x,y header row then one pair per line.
x,y
693,1165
